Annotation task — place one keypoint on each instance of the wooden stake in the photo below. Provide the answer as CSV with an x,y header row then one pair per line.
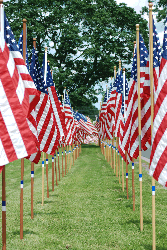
x,y
58,162
56,170
73,153
152,115
116,156
32,187
65,159
122,174
62,162
52,173
119,168
133,185
21,200
43,178
22,160
70,151
126,175
139,119
3,210
47,175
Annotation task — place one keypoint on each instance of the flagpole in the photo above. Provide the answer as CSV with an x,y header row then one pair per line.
x,y
58,162
3,170
3,209
43,178
133,185
113,131
22,160
152,115
133,177
53,173
139,119
56,170
62,143
32,164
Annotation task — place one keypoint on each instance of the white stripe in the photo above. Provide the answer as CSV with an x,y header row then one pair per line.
x,y
11,65
3,208
3,157
21,185
153,192
55,112
11,124
32,175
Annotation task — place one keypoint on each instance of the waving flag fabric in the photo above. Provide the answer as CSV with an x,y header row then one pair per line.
x,y
48,136
60,119
145,105
158,158
16,138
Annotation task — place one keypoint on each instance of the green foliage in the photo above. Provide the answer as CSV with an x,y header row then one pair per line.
x,y
85,39
159,7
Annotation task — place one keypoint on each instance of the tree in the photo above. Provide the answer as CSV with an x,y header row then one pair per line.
x,y
85,40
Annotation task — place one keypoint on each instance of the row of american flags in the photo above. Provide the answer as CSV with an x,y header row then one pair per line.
x,y
119,112
32,117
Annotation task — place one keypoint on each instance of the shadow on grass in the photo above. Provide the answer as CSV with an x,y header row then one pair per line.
x,y
149,246
89,146
17,232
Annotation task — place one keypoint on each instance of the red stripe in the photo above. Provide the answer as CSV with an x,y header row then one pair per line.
x,y
17,110
6,141
161,164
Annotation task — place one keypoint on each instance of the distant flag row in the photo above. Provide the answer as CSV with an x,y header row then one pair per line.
x,y
119,111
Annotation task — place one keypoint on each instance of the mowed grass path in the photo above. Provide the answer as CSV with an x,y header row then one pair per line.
x,y
87,210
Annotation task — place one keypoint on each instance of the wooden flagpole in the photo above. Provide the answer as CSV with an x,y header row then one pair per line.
x,y
43,178
114,146
62,162
3,170
22,160
139,119
52,173
152,115
133,185
58,162
122,174
65,159
119,167
32,164
126,175
56,170
3,209
47,175
70,153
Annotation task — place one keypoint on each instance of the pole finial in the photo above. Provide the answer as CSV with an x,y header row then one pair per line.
x,y
46,48
124,69
24,20
134,42
150,5
34,39
137,26
1,1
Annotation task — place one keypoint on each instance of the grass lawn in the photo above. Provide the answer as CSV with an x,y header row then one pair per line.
x,y
87,210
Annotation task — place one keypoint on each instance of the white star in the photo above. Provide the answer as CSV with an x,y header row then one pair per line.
x,y
13,40
8,27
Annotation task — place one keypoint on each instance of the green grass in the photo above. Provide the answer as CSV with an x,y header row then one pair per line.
x,y
87,210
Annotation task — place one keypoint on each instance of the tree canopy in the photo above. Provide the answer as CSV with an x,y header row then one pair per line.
x,y
85,39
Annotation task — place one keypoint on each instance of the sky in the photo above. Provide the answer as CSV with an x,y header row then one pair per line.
x,y
137,5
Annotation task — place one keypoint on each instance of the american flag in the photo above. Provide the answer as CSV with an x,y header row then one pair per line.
x,y
158,158
69,120
102,117
16,138
82,120
122,123
60,119
48,136
119,90
145,105
111,105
